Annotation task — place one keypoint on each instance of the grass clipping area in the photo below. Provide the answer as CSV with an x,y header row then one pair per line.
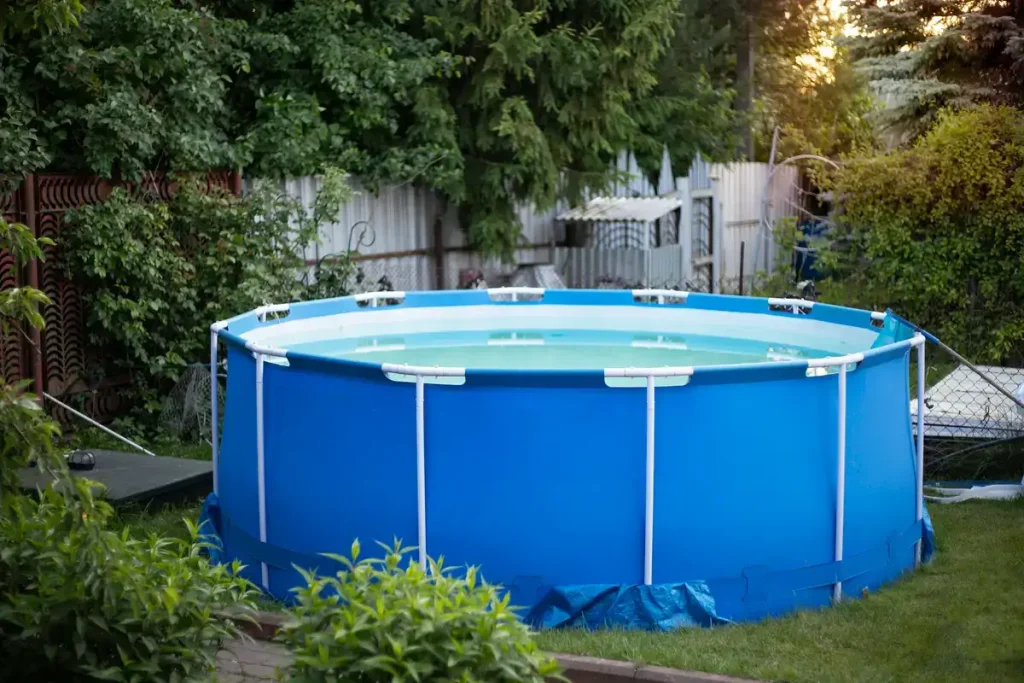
x,y
959,619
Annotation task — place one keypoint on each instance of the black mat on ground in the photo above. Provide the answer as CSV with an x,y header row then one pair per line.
x,y
131,477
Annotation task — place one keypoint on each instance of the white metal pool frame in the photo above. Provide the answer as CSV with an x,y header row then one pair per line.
x,y
843,363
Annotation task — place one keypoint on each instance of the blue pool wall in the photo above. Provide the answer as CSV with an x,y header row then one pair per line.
x,y
538,477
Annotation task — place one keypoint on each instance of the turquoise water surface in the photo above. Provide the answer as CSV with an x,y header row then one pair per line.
x,y
555,349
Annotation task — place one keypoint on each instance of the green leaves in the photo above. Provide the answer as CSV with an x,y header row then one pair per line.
x,y
923,56
487,102
386,619
154,275
937,233
100,605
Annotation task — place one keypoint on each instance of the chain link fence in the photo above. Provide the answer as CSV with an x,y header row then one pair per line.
x,y
972,430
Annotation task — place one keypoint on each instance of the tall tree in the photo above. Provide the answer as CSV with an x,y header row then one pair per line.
x,y
924,55
546,98
491,102
765,40
690,108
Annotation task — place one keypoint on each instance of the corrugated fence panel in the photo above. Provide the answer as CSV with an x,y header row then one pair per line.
x,y
666,267
405,273
741,193
400,219
393,233
583,267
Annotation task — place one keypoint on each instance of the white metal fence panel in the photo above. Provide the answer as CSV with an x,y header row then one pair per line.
x,y
742,201
667,268
462,259
400,219
393,232
587,267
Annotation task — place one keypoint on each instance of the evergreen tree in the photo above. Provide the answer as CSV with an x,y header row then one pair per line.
x,y
690,108
547,98
923,55
490,102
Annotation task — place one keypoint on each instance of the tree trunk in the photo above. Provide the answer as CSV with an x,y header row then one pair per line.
x,y
744,104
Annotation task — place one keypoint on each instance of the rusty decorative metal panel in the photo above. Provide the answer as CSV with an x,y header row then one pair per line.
x,y
63,337
64,358
12,348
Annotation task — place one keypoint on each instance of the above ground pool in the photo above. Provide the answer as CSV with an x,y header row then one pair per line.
x,y
642,459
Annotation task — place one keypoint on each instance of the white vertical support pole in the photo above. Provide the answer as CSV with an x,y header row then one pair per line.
x,y
213,411
920,445
649,512
421,476
717,237
648,255
685,233
261,477
837,589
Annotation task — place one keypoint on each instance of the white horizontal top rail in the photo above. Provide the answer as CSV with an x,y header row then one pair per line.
x,y
262,311
793,304
421,370
661,294
848,359
515,292
649,372
266,350
374,297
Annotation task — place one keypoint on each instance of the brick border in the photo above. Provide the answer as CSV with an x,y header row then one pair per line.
x,y
577,669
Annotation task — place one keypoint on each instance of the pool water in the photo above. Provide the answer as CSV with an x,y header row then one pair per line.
x,y
555,349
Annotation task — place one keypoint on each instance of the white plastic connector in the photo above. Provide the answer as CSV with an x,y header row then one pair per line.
x,y
649,372
262,311
794,305
660,295
266,350
375,297
421,371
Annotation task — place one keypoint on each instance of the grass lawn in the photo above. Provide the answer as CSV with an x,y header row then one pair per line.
x,y
959,619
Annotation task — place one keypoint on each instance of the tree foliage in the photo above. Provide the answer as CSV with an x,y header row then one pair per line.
x,y
154,275
924,55
18,17
489,102
821,108
690,108
797,80
79,602
937,232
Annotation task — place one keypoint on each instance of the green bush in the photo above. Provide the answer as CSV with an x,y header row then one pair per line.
x,y
155,275
80,602
378,620
937,233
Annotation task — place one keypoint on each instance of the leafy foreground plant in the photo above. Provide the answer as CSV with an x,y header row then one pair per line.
x,y
379,621
79,602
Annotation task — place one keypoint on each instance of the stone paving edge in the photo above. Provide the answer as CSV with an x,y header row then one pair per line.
x,y
577,668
